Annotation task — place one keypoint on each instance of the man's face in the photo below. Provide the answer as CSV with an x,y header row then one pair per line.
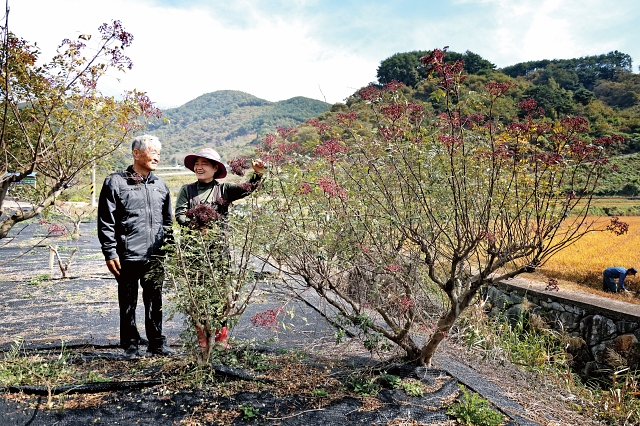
x,y
146,160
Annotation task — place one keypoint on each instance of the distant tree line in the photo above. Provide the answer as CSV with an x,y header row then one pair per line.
x,y
573,74
407,68
602,88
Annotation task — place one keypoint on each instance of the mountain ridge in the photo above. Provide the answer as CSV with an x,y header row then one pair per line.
x,y
231,121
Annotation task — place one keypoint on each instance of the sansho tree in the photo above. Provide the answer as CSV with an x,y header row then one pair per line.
x,y
54,120
210,268
397,219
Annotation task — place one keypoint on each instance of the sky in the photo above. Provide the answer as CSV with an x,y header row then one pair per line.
x,y
321,49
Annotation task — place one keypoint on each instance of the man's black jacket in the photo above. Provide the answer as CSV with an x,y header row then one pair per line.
x,y
133,214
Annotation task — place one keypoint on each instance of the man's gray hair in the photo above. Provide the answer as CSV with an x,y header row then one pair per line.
x,y
144,142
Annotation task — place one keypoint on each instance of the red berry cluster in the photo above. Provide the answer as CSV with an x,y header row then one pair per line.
x,y
54,229
202,215
238,166
552,285
268,318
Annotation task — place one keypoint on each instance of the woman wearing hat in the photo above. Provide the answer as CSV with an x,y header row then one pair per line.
x,y
208,167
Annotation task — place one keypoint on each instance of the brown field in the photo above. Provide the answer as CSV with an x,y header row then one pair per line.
x,y
621,202
582,263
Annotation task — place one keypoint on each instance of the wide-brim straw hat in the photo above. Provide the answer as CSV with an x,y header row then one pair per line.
x,y
209,154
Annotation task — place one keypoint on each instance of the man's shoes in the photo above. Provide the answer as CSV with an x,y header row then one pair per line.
x,y
143,342
163,350
131,352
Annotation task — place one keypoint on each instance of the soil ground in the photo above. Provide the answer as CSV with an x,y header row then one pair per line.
x,y
43,310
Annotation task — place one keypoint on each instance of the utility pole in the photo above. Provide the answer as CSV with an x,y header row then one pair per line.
x,y
93,185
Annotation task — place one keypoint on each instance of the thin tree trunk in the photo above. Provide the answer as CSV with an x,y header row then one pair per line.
x,y
444,325
205,343
64,267
8,223
446,322
4,188
22,215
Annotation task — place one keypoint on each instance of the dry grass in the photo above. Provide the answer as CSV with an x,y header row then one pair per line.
x,y
583,262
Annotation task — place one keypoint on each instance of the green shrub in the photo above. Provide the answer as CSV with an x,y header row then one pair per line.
x,y
389,380
472,409
360,384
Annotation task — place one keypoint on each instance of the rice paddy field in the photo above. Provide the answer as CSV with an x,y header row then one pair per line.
x,y
583,262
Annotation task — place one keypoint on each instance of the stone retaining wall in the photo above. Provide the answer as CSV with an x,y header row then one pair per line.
x,y
598,328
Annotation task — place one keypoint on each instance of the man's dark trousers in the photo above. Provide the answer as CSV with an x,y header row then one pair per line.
x,y
133,274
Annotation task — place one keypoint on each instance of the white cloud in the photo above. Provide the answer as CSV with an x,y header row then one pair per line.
x,y
528,30
548,34
284,49
179,54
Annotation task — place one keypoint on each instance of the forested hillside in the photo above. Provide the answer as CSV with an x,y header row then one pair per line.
x,y
601,88
229,120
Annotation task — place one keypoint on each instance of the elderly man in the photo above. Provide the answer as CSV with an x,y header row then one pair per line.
x,y
609,276
134,211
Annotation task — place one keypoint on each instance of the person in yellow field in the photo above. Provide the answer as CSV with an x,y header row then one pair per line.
x,y
609,276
